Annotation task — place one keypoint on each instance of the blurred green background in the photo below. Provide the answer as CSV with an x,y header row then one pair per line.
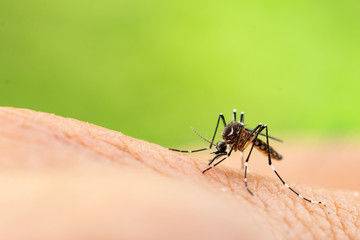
x,y
150,69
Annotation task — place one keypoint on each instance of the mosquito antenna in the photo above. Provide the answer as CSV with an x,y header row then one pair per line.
x,y
199,135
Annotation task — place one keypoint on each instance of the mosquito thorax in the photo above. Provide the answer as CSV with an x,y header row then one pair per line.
x,y
231,131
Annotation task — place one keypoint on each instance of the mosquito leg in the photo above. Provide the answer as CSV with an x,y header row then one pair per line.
x,y
250,135
217,156
259,128
234,115
279,140
270,163
211,166
189,151
221,116
242,117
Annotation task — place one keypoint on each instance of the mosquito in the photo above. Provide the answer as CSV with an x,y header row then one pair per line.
x,y
237,137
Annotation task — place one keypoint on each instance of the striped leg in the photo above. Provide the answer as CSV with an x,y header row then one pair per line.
x,y
258,129
221,116
242,117
242,153
270,163
189,151
217,156
211,166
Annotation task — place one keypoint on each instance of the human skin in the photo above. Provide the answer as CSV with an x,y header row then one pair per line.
x,y
62,178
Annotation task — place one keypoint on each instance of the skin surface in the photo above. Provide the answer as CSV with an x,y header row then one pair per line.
x,y
66,179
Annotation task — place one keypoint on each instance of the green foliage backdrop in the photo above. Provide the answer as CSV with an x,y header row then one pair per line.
x,y
153,68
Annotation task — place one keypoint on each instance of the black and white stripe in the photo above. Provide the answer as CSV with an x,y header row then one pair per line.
x,y
283,182
221,116
261,128
189,151
286,185
242,117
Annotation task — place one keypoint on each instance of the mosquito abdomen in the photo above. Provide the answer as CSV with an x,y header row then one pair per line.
x,y
262,147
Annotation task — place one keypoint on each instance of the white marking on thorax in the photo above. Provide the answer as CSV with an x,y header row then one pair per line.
x,y
232,130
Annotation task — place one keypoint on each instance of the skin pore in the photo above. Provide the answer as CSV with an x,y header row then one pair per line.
x,y
66,179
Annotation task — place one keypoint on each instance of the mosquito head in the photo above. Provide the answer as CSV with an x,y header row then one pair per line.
x,y
220,147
